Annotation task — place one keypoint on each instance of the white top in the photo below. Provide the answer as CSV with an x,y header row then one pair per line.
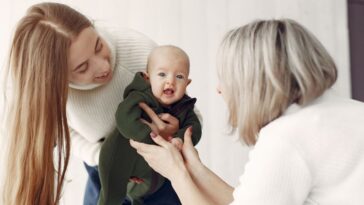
x,y
310,155
91,113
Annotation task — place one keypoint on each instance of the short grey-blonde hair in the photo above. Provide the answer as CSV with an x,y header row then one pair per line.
x,y
266,66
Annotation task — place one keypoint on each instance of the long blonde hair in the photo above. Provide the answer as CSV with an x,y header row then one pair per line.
x,y
38,65
265,66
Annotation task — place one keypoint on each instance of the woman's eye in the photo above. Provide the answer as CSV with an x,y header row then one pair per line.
x,y
161,74
84,69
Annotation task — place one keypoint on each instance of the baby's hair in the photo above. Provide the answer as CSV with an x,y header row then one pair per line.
x,y
171,49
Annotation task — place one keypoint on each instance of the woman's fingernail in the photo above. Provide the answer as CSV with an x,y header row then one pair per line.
x,y
190,129
152,134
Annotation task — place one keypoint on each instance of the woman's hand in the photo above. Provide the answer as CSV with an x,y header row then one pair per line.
x,y
163,124
189,152
177,142
166,159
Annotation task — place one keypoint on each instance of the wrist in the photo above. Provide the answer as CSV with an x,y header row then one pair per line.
x,y
180,177
197,170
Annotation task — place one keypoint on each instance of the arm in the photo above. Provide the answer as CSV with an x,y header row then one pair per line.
x,y
275,174
271,176
128,117
191,120
166,124
163,124
200,174
188,191
168,161
83,149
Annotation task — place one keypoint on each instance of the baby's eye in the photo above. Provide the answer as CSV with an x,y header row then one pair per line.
x,y
180,76
161,74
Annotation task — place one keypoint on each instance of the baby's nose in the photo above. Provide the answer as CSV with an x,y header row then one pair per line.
x,y
170,81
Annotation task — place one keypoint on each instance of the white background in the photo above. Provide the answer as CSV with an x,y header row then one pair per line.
x,y
197,26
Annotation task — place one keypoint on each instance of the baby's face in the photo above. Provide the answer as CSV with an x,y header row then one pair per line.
x,y
168,77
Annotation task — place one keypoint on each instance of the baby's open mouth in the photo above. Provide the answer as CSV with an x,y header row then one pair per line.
x,y
168,91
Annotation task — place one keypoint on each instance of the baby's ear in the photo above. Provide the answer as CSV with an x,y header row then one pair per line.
x,y
189,81
145,75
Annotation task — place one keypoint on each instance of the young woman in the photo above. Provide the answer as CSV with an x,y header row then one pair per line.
x,y
275,77
59,59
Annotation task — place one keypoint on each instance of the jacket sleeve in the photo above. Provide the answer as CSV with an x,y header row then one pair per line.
x,y
191,119
128,117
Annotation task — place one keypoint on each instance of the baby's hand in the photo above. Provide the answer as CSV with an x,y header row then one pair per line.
x,y
177,142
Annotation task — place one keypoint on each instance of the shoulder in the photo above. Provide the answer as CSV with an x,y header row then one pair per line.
x,y
122,34
315,129
326,111
131,47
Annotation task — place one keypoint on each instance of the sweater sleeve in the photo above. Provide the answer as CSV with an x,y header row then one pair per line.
x,y
83,149
276,174
128,117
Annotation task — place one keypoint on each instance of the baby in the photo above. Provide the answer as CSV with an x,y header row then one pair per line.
x,y
163,88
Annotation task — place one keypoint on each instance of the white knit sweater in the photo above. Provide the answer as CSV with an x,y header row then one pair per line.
x,y
91,113
310,155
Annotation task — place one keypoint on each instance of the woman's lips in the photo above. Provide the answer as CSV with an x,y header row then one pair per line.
x,y
103,77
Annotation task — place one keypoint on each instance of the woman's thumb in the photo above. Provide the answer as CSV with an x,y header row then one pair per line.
x,y
188,136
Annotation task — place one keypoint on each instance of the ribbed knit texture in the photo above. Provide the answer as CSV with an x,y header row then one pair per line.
x,y
91,113
310,155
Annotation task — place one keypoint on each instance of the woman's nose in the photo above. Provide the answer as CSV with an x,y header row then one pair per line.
x,y
100,64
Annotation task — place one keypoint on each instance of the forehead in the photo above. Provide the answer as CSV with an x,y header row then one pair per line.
x,y
167,59
82,46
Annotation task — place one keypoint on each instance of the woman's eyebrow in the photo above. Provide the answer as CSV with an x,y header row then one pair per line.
x,y
97,42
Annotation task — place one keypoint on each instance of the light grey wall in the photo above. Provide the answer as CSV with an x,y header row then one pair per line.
x,y
198,26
